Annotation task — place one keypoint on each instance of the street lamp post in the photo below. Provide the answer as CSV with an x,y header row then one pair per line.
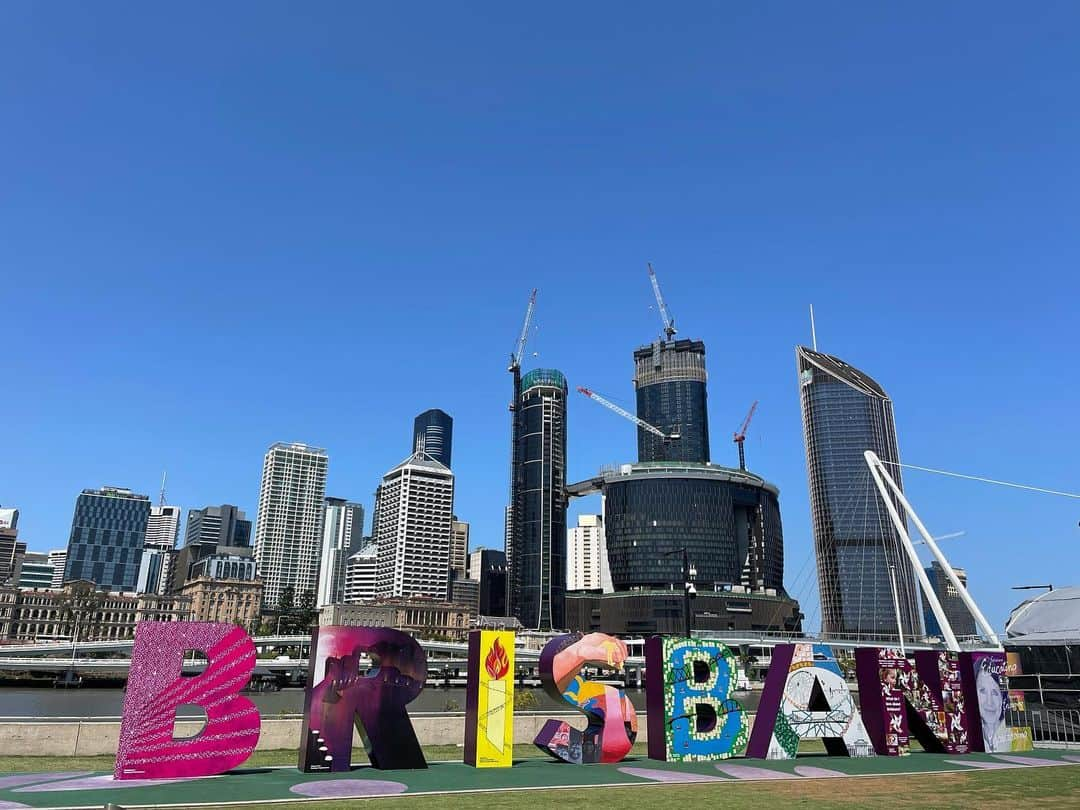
x,y
689,591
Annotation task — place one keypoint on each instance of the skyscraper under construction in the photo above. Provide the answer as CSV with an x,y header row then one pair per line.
x,y
669,378
536,536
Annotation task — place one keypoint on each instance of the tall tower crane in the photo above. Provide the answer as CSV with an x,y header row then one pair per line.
x,y
740,437
641,423
669,322
519,348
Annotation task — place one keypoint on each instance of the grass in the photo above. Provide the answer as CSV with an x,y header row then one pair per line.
x,y
1006,789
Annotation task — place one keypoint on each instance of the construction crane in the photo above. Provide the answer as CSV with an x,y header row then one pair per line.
x,y
669,322
740,437
641,423
519,349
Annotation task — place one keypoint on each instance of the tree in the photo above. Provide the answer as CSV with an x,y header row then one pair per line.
x,y
306,612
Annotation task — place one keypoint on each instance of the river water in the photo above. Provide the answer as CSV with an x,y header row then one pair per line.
x,y
48,703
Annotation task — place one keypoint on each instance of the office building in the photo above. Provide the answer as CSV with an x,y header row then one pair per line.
x,y
289,526
669,379
226,566
960,618
465,592
9,518
586,556
11,554
58,561
488,567
433,435
414,513
155,566
343,528
536,552
35,571
459,546
108,531
163,527
214,599
211,530
846,413
360,573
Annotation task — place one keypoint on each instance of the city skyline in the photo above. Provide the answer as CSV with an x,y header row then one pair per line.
x,y
902,173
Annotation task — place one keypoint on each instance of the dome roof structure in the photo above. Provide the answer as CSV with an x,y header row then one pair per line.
x,y
1050,618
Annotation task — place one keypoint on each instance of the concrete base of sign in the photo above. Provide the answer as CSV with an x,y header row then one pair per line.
x,y
93,790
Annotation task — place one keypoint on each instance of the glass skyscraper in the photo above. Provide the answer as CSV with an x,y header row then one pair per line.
x,y
670,381
108,531
433,432
536,551
846,413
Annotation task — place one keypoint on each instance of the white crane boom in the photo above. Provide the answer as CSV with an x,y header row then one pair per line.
x,y
519,349
641,423
669,323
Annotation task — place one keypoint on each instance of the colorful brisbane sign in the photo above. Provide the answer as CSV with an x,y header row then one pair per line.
x,y
364,678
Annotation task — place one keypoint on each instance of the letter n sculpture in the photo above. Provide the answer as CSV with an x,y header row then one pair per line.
x,y
806,696
366,676
489,700
690,713
901,699
156,687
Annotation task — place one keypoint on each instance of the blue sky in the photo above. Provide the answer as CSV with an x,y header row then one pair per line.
x,y
222,227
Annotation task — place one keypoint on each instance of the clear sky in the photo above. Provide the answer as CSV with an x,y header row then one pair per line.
x,y
225,225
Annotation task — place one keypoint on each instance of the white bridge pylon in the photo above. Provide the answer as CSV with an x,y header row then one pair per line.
x,y
886,486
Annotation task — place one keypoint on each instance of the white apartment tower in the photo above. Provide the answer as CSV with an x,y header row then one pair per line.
x,y
360,575
162,534
343,526
58,560
586,556
289,526
414,516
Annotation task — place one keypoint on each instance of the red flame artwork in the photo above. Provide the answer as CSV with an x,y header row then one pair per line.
x,y
497,662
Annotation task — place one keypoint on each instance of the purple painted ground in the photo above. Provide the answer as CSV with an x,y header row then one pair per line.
x,y
658,775
348,788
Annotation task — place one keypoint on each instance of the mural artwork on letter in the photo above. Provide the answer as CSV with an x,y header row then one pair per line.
x,y
805,697
156,687
985,679
691,715
364,676
489,700
612,725
930,694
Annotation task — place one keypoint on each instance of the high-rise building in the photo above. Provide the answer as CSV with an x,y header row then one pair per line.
x,y
224,525
9,518
58,561
36,571
159,549
433,434
488,567
960,618
343,528
360,573
586,556
289,526
846,413
210,531
163,527
12,552
669,377
415,511
459,546
536,552
108,531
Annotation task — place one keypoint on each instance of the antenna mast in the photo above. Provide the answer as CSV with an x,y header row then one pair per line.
x,y
161,498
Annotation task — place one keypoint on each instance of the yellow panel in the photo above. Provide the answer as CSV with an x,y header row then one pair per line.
x,y
495,710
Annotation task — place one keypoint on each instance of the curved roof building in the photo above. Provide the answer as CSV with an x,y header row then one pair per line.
x,y
845,413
